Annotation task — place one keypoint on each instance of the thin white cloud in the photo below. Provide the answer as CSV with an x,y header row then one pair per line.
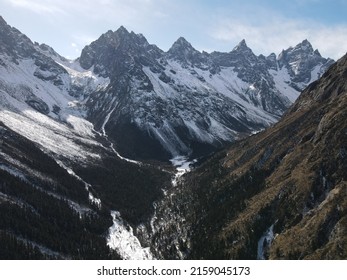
x,y
48,7
278,33
106,10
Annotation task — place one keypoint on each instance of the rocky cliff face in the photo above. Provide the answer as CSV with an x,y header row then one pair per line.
x,y
183,102
280,194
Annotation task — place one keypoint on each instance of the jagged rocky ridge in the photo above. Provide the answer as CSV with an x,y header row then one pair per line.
x,y
158,105
280,194
183,102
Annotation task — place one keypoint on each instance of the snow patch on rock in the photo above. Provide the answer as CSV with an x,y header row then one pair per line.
x,y
122,239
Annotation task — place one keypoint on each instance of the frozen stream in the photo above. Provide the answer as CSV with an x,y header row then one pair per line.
x,y
182,165
264,243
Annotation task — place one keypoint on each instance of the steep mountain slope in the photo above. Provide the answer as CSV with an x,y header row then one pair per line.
x,y
182,102
52,160
280,194
48,211
45,212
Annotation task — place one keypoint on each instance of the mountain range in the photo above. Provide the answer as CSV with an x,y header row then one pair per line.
x,y
184,102
86,147
156,105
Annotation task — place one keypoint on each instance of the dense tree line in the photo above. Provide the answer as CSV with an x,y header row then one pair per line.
x,y
14,249
221,203
127,188
46,206
19,148
31,214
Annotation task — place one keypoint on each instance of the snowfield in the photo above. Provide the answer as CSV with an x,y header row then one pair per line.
x,y
64,131
282,81
191,96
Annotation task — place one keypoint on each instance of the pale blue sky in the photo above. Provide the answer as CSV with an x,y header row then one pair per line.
x,y
267,25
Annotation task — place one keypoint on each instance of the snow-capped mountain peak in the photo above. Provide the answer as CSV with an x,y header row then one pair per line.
x,y
303,63
181,44
184,52
240,46
243,51
156,104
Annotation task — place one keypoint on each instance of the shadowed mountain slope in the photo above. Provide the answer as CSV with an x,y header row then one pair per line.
x,y
279,194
